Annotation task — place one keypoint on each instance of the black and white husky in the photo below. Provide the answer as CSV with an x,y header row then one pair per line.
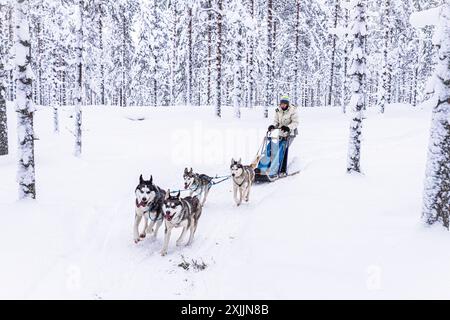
x,y
198,184
180,212
148,205
243,177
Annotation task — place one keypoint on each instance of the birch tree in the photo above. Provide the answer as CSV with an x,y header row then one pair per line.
x,y
23,102
357,73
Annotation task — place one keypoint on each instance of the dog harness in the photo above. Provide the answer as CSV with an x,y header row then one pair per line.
x,y
150,208
239,185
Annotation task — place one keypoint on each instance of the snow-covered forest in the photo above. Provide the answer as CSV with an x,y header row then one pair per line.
x,y
94,93
174,52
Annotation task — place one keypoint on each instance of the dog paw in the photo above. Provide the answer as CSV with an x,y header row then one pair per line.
x,y
179,243
137,240
163,253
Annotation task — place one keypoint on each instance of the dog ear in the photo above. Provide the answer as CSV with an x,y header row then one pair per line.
x,y
232,160
240,159
191,170
178,195
167,194
151,179
141,180
186,170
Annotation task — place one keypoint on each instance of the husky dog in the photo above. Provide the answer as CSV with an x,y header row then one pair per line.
x,y
180,212
200,184
149,200
243,177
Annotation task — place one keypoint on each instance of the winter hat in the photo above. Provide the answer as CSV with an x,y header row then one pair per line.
x,y
284,99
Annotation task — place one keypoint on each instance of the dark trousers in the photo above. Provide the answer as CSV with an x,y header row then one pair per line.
x,y
286,153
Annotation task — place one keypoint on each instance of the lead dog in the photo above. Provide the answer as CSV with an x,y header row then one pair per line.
x,y
243,177
180,212
148,205
198,184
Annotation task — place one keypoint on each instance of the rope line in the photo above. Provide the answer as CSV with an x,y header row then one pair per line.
x,y
212,183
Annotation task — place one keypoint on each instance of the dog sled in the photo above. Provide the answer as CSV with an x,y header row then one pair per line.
x,y
270,158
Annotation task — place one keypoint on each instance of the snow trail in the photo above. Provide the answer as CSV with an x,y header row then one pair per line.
x,y
319,234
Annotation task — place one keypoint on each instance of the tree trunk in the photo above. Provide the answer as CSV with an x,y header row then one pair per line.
x,y
3,76
297,54
190,61
436,207
358,76
333,54
386,83
238,74
53,92
344,95
102,63
124,84
79,83
251,61
269,60
24,104
219,60
3,119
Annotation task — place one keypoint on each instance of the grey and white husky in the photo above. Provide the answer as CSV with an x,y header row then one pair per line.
x,y
180,212
148,205
243,177
199,184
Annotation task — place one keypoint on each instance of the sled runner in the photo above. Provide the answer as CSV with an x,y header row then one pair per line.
x,y
269,160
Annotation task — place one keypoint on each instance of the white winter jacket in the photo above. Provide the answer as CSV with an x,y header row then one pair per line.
x,y
288,118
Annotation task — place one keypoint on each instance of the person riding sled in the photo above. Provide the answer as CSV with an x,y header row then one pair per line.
x,y
276,154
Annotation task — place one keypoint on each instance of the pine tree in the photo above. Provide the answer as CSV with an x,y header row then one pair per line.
x,y
23,102
122,48
142,68
331,88
436,206
238,30
357,73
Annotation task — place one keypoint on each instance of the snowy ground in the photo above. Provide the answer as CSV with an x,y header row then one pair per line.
x,y
320,234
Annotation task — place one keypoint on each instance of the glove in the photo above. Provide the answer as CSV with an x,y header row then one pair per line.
x,y
271,127
285,129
